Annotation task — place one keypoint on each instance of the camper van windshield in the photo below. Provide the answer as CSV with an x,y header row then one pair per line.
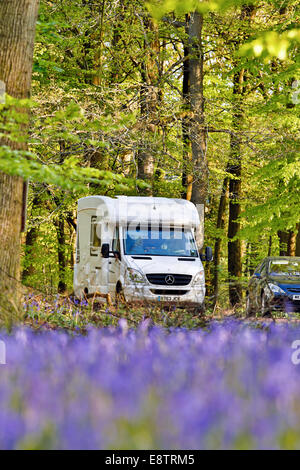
x,y
159,242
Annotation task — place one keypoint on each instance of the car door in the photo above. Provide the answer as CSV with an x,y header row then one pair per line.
x,y
262,281
254,286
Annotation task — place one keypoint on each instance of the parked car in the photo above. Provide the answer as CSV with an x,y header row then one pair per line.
x,y
275,285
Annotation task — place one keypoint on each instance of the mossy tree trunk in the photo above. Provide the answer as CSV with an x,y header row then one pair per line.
x,y
149,98
235,168
218,241
297,250
235,171
17,32
61,254
197,131
283,242
31,238
187,171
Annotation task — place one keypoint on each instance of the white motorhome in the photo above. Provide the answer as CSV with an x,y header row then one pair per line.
x,y
146,248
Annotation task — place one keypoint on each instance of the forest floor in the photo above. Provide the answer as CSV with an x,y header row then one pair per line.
x,y
43,312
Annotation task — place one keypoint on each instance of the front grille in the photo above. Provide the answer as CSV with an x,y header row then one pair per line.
x,y
168,291
160,279
295,290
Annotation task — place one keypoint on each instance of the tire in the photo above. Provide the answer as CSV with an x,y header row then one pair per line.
x,y
249,309
200,310
120,297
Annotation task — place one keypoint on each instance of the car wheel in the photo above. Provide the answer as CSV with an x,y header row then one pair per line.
x,y
249,309
265,309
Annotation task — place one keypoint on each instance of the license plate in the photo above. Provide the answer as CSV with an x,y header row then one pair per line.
x,y
164,298
296,297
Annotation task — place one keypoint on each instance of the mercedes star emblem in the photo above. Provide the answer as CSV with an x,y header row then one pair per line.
x,y
169,279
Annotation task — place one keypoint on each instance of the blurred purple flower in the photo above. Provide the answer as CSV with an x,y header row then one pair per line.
x,y
229,386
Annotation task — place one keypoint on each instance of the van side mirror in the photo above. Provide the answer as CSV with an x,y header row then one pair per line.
x,y
208,253
105,250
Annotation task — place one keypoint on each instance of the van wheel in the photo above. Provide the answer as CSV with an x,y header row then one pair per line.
x,y
120,297
200,310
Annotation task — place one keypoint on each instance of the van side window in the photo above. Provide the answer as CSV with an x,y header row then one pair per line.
x,y
95,243
116,241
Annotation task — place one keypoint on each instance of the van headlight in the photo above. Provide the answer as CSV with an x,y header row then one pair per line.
x,y
198,278
135,276
275,289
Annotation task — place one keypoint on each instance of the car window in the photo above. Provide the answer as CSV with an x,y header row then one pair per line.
x,y
263,270
258,268
285,267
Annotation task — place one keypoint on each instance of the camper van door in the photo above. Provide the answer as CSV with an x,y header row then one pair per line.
x,y
115,264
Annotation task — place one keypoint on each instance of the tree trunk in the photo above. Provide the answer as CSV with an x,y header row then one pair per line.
x,y
297,252
149,103
235,169
17,31
283,242
31,238
187,172
93,43
62,262
116,65
247,263
197,132
292,240
97,78
270,246
218,241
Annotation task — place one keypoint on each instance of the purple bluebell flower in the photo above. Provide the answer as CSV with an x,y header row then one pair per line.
x,y
229,386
